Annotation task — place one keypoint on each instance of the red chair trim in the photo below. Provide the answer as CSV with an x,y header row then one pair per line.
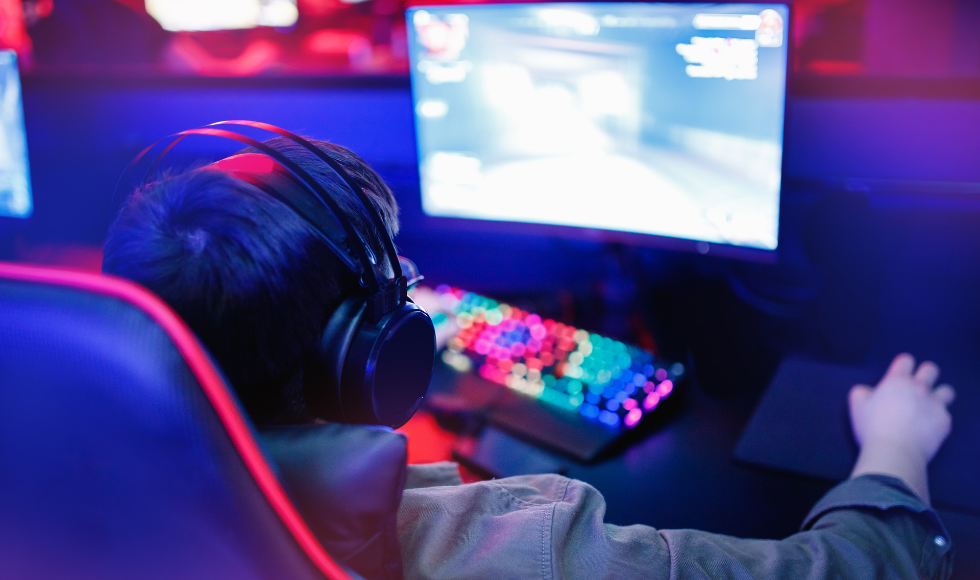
x,y
211,382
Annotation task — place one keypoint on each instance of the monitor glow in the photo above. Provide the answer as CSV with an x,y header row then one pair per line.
x,y
659,119
15,179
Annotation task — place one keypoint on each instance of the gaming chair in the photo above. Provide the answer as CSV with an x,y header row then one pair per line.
x,y
123,453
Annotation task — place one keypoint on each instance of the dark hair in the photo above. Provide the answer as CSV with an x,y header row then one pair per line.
x,y
252,278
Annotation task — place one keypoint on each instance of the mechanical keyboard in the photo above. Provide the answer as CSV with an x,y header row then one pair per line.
x,y
548,383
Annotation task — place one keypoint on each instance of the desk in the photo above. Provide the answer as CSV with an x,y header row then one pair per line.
x,y
683,476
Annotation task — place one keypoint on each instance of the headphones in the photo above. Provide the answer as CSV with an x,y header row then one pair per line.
x,y
373,362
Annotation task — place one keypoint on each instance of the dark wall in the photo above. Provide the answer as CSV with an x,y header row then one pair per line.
x,y
864,249
82,133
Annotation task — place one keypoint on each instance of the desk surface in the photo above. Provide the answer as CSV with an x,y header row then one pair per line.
x,y
683,476
802,425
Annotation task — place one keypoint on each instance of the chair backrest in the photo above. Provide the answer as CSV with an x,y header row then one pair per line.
x,y
123,453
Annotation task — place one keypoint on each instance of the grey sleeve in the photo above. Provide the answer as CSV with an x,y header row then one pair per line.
x,y
551,527
868,527
542,526
442,473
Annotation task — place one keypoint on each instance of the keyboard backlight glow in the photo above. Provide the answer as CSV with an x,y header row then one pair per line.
x,y
652,400
604,379
633,417
609,418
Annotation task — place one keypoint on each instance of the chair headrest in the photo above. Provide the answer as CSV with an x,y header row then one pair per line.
x,y
124,452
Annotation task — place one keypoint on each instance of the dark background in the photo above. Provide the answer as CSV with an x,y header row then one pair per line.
x,y
878,228
879,241
879,252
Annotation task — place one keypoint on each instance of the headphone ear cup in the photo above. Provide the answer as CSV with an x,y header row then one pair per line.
x,y
388,367
374,374
323,374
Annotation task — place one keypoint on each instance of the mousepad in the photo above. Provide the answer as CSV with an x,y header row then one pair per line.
x,y
801,425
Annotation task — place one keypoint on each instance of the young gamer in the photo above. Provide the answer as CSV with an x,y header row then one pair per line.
x,y
279,254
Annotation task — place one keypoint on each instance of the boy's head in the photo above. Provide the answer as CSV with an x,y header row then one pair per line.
x,y
252,278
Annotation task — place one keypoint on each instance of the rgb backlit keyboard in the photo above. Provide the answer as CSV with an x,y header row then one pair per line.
x,y
605,381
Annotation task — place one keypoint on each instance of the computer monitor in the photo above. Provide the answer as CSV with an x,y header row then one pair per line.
x,y
15,179
652,123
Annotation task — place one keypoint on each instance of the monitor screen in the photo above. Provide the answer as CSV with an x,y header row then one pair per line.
x,y
15,179
657,119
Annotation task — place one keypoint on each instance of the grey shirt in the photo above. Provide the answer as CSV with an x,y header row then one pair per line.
x,y
551,527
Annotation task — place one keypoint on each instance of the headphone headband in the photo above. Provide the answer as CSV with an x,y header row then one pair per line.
x,y
376,282
277,182
389,245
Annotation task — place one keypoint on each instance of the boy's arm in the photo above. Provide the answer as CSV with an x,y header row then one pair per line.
x,y
875,525
878,524
548,527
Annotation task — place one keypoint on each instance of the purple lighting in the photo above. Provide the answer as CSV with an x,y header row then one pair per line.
x,y
538,331
481,346
652,400
633,417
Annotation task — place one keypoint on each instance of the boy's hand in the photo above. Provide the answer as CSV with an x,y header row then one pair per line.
x,y
901,423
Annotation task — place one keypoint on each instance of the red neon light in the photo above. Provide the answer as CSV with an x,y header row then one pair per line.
x,y
247,162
